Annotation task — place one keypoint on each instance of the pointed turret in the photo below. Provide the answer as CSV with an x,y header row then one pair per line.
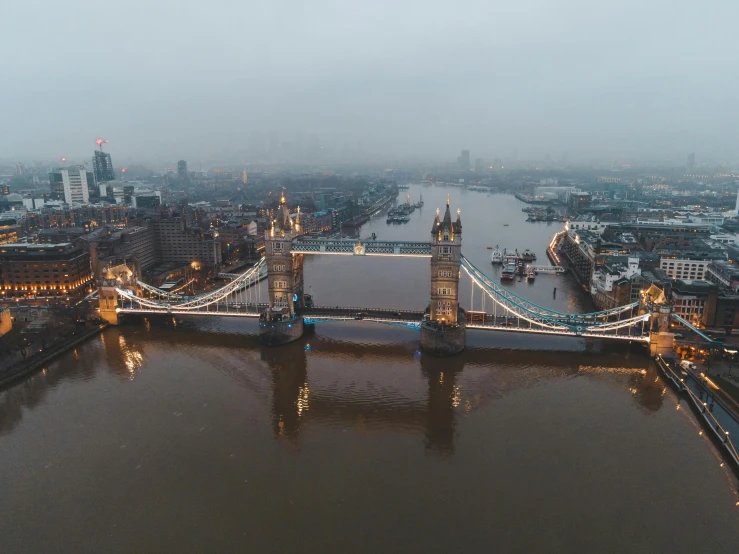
x,y
437,223
284,223
458,223
447,222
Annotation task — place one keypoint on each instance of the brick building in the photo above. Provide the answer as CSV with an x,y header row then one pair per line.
x,y
43,270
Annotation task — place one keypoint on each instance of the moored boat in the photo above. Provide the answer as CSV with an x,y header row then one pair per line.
x,y
509,271
496,257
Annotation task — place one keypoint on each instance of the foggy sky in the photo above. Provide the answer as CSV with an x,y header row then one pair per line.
x,y
425,78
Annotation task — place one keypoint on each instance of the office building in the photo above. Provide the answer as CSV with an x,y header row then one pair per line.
x,y
70,184
147,201
687,265
103,167
128,195
43,270
132,244
244,177
9,231
177,243
61,235
694,300
691,161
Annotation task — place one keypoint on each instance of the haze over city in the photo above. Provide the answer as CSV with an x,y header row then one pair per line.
x,y
386,80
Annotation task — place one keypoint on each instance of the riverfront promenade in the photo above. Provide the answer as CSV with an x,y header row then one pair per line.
x,y
716,410
33,363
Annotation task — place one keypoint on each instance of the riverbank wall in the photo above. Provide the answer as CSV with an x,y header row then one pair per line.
x,y
27,367
712,411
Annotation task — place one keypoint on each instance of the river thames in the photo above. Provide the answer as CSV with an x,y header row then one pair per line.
x,y
187,435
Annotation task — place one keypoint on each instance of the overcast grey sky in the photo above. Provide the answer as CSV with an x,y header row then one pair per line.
x,y
190,78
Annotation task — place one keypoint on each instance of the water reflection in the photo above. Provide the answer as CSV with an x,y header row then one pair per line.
x,y
302,387
290,391
443,400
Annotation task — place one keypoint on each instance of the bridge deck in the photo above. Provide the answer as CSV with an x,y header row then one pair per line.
x,y
380,315
622,335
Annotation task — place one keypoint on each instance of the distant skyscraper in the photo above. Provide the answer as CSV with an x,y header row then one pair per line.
x,y
71,184
464,160
182,169
478,165
103,167
244,177
128,192
691,161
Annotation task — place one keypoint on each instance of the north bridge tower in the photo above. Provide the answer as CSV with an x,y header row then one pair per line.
x,y
443,332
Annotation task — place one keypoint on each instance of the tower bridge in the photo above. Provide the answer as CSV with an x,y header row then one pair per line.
x,y
283,314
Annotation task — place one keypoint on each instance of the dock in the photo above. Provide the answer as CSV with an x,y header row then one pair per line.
x,y
553,269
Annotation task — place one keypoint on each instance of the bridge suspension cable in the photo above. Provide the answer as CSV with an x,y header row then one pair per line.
x,y
535,308
244,281
549,319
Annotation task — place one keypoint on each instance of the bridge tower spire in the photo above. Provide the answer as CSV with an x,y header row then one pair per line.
x,y
280,322
443,330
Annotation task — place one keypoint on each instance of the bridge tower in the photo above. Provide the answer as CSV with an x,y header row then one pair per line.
x,y
443,331
112,277
661,338
662,341
279,323
108,302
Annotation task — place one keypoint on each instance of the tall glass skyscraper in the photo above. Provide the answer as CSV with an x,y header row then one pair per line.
x,y
103,167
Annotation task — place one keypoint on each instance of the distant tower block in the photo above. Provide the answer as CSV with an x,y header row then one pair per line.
x,y
443,332
279,323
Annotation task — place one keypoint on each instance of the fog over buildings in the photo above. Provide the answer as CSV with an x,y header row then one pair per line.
x,y
394,79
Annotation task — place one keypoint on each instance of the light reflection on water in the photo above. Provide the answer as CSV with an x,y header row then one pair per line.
x,y
206,389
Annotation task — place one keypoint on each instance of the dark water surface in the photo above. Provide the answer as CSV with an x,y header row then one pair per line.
x,y
189,436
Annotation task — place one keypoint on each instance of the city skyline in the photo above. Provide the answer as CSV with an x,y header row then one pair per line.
x,y
531,78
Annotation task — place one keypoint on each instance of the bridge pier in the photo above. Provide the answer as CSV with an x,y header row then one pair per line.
x,y
442,340
275,331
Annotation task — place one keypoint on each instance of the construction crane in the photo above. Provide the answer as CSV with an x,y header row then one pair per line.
x,y
100,143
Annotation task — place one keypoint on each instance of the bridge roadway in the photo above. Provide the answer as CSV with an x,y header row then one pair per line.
x,y
405,317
